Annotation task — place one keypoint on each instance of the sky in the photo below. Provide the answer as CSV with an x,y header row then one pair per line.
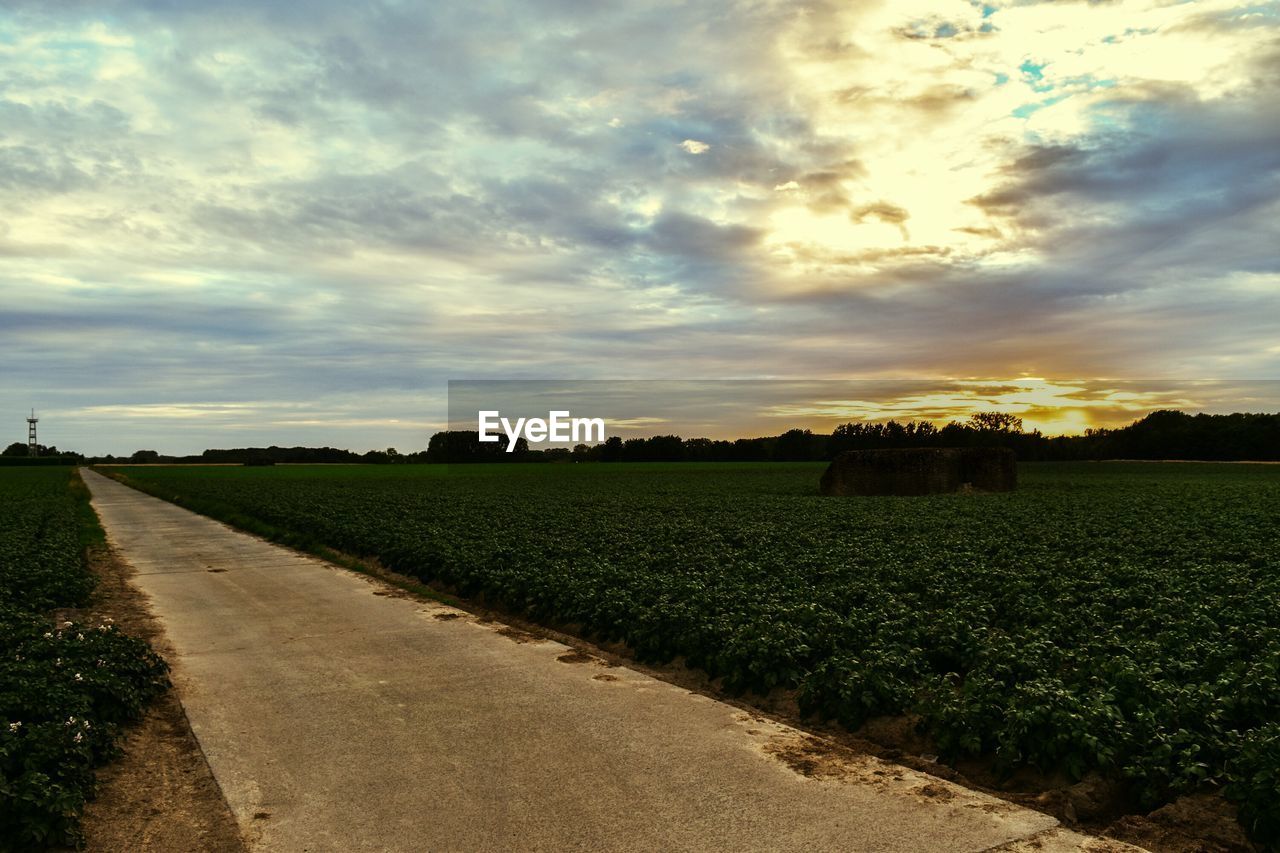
x,y
269,222
740,408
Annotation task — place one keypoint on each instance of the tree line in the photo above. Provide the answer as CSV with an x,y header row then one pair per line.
x,y
19,454
1160,435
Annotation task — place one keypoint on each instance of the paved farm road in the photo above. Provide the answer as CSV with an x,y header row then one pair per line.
x,y
338,717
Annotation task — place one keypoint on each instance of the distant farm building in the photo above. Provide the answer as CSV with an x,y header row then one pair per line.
x,y
921,471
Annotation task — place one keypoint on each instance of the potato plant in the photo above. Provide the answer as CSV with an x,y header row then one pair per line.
x,y
66,688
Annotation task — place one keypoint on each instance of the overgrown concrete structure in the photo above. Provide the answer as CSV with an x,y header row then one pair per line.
x,y
921,471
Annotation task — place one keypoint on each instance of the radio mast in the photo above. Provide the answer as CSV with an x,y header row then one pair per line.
x,y
32,447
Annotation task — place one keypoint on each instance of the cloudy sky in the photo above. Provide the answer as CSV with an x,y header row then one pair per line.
x,y
278,222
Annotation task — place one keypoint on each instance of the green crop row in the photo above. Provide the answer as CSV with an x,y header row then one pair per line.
x,y
1123,618
66,688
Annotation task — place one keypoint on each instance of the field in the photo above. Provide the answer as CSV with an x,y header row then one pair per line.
x,y
66,687
1115,617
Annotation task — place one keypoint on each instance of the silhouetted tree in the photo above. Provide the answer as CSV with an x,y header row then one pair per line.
x,y
995,422
664,448
466,446
799,445
611,450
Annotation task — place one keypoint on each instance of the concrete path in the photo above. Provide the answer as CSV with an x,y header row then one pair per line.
x,y
339,715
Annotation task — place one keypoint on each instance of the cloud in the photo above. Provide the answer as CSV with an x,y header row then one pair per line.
x,y
226,202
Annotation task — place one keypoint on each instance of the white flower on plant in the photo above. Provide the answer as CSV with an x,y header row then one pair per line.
x,y
78,677
48,635
13,727
79,737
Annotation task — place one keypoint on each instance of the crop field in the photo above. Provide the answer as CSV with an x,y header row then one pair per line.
x,y
1116,617
65,688
40,562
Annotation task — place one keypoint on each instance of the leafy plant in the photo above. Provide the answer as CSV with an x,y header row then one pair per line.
x,y
65,688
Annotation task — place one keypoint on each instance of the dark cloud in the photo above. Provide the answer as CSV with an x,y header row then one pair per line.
x,y
1184,194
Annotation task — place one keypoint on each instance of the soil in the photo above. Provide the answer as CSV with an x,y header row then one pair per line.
x,y
576,657
1201,823
519,636
160,795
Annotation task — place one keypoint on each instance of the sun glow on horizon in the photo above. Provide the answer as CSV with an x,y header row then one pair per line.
x,y
1051,407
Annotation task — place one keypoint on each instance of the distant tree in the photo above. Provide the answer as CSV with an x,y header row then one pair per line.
x,y
15,449
52,450
896,434
1159,435
798,445
611,450
699,449
465,446
995,422
751,450
664,448
922,431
